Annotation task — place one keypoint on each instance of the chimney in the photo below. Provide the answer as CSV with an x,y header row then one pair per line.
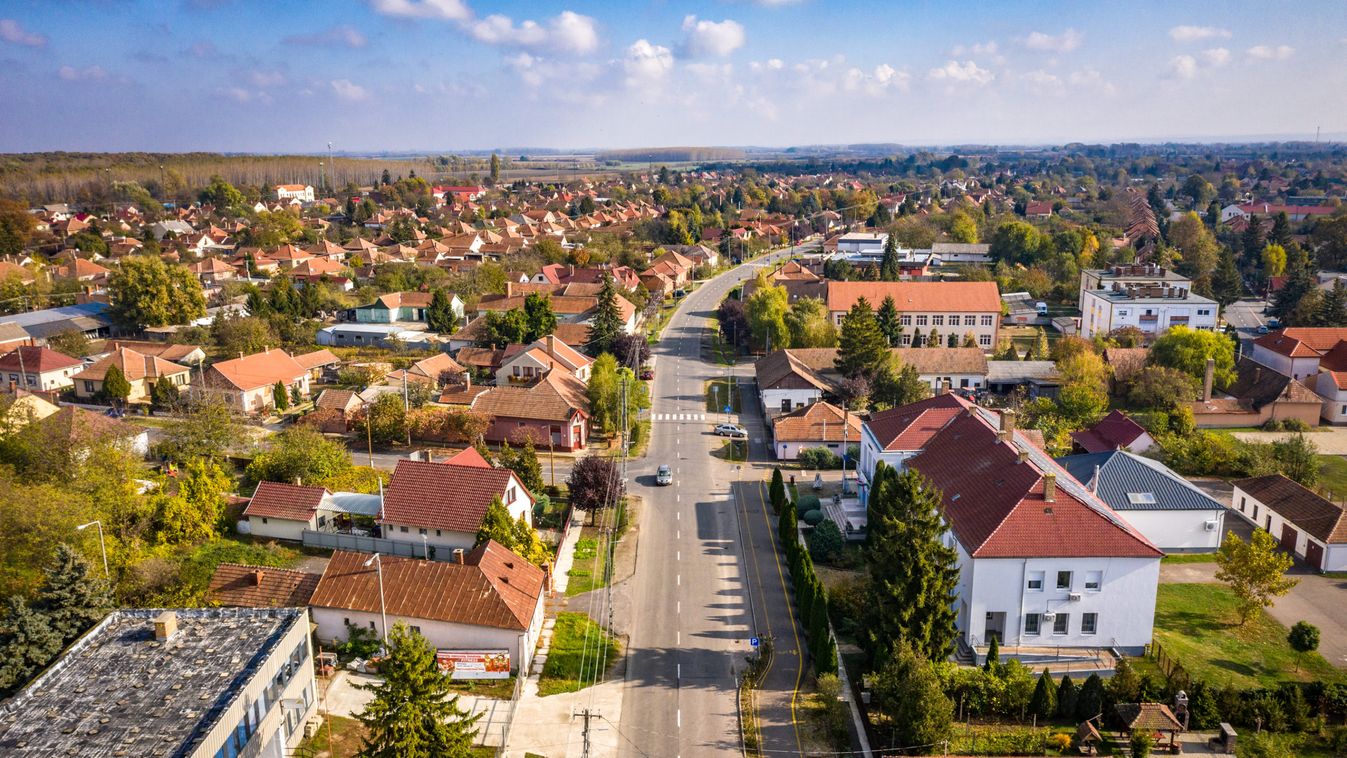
x,y
258,574
1049,487
458,555
165,626
1208,377
550,341
1023,456
1007,430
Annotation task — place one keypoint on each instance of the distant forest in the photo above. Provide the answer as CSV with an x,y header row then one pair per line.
x,y
673,154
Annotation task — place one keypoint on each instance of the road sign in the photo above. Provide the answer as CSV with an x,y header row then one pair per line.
x,y
727,409
753,641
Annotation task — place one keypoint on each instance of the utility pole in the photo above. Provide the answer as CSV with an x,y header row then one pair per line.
x,y
586,714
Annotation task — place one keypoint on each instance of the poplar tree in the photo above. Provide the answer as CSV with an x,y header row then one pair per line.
x,y
414,713
1066,699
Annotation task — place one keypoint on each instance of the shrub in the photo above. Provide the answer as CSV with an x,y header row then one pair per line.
x,y
1295,425
826,541
1060,741
806,503
819,458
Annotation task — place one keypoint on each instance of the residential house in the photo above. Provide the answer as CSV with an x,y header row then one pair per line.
x,y
1043,561
787,382
1170,511
444,503
1036,378
377,335
213,271
487,603
75,432
962,368
24,409
1267,210
949,309
1297,351
397,307
318,363
1116,431
187,355
1306,524
1258,394
1038,209
438,370
553,412
246,383
190,682
816,425
39,368
334,410
1130,275
528,365
569,308
300,192
284,511
141,371
241,586
1150,308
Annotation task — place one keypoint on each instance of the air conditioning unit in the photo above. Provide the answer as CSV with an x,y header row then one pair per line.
x,y
1073,597
1210,526
1049,616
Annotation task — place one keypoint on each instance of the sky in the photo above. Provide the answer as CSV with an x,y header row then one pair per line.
x,y
444,75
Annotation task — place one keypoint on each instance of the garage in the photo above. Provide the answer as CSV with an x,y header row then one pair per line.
x,y
1305,524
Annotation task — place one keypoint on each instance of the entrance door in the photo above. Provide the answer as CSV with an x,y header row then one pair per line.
x,y
1289,535
1314,554
996,626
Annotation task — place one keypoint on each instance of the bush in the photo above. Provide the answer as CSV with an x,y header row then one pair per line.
x,y
819,458
1295,425
813,518
805,503
1060,742
826,541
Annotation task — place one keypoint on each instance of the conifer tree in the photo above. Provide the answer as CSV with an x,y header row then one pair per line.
x,y
1043,703
1090,699
890,321
27,643
72,597
908,692
1066,699
414,713
776,493
1226,284
440,314
115,385
821,644
888,265
862,347
606,327
279,396
993,655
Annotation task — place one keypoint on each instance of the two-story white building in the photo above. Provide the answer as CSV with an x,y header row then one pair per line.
x,y
1153,309
1043,561
300,192
951,310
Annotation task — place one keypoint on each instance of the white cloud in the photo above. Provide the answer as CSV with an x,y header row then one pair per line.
x,y
1054,43
568,32
237,94
1216,56
1183,66
574,32
88,74
500,30
1186,33
877,81
1270,53
1043,82
452,10
710,38
337,36
13,32
266,78
1090,78
348,90
645,62
977,48
968,71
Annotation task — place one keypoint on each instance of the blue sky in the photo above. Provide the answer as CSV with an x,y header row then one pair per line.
x,y
369,75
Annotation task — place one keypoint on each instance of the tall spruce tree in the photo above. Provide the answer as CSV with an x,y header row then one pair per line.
x,y
1333,307
1066,699
1043,703
912,574
1226,284
862,348
1281,229
1090,698
1251,242
115,385
414,713
72,596
440,314
890,321
776,493
888,265
606,327
27,644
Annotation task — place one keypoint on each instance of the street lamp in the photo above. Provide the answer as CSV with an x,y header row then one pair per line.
x,y
383,616
101,545
425,547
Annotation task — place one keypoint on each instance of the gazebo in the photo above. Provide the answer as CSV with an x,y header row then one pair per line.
x,y
1154,718
1088,738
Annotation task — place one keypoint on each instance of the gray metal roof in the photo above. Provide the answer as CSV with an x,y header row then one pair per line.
x,y
1123,474
47,315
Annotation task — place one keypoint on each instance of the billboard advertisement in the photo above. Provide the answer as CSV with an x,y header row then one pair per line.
x,y
474,664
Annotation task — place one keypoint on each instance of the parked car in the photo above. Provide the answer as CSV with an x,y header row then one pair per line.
x,y
664,475
731,430
647,373
1262,329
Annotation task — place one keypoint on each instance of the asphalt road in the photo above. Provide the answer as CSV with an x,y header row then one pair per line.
x,y
1246,316
696,589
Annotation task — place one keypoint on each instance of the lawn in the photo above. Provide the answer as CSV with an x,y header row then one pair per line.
x,y
581,651
1189,558
1008,739
715,396
1333,474
1197,625
590,570
347,736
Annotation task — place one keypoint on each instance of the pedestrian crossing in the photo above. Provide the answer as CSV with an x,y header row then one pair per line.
x,y
678,417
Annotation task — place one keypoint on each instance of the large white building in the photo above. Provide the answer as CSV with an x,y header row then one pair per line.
x,y
1152,308
1043,561
300,192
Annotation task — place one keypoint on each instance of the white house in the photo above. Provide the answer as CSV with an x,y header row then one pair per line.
x,y
1312,528
39,369
487,604
816,425
1299,351
541,357
1150,308
300,192
284,511
1043,561
1174,515
445,502
786,382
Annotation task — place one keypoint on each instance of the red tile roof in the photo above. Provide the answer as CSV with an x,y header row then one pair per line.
x,y
910,427
235,584
1114,432
284,501
442,495
492,587
816,422
37,360
259,370
918,297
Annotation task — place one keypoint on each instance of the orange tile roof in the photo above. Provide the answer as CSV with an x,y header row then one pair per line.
x,y
918,297
284,501
134,366
259,369
239,585
817,422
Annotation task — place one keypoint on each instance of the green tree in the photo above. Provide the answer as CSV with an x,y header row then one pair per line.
x,y
221,194
27,643
1090,698
279,397
275,228
907,693
1226,284
766,311
776,492
72,343
826,542
889,269
605,394
145,291
501,328
862,348
993,661
115,385
1281,229
606,327
497,525
386,418
1083,397
414,713
1161,388
1297,458
1140,743
1066,699
1043,703
890,321
540,318
206,429
898,384
1252,241
495,169
1254,571
300,454
16,227
912,573
1188,350
1304,639
523,461
809,325
440,313
192,514
72,596
164,394
1199,250
1019,242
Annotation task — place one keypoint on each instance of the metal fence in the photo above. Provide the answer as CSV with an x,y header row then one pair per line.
x,y
366,544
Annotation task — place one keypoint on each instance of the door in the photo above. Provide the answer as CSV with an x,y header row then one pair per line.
x,y
996,626
1314,554
1289,535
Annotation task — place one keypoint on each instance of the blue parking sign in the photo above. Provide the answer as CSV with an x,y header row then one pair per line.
x,y
753,641
727,409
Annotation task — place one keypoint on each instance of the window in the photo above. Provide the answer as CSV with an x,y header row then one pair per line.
x,y
1032,623
1061,623
422,531
416,629
1255,513
1035,580
1204,311
1141,498
921,321
985,340
970,320
905,320
785,405
937,321
1063,580
509,496
1093,580
89,387
986,320
371,624
402,529
264,520
1243,500
437,532
1089,622
907,339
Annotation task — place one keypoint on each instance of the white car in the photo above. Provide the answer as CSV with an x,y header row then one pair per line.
x,y
664,475
731,430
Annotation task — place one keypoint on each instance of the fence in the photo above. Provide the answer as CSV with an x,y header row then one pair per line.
x,y
1171,667
366,544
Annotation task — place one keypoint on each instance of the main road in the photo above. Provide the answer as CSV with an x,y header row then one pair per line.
x,y
707,576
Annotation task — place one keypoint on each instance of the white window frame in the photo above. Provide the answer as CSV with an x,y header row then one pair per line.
x,y
1061,624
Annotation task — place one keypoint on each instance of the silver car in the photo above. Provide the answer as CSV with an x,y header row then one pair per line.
x,y
664,475
731,430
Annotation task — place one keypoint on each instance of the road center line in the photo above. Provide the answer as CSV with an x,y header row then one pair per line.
x,y
679,580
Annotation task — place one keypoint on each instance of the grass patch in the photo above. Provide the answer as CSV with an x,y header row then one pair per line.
x,y
347,737
572,661
716,394
1196,624
500,689
196,564
590,570
1008,739
1189,558
1333,474
732,450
